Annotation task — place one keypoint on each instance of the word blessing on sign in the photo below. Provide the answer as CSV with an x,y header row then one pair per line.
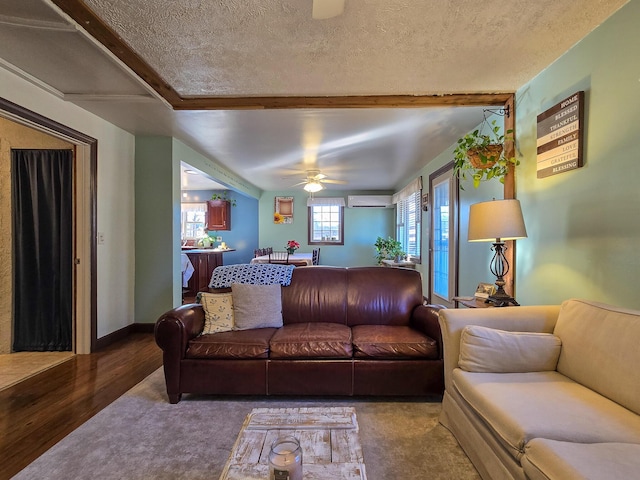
x,y
560,136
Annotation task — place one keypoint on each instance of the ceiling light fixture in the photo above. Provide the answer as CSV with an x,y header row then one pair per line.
x,y
313,187
191,172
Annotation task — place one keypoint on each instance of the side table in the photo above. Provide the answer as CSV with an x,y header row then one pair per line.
x,y
474,302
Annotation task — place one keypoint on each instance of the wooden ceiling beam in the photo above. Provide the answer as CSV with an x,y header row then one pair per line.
x,y
353,101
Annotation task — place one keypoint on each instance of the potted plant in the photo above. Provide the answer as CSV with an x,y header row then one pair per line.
x,y
482,156
389,249
224,196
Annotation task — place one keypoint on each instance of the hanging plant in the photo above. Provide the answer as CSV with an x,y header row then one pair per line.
x,y
481,156
224,196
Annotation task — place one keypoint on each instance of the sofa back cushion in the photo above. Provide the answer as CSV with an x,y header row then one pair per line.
x,y
352,296
485,349
382,296
316,294
601,349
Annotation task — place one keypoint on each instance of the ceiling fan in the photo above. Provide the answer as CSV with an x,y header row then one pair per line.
x,y
314,181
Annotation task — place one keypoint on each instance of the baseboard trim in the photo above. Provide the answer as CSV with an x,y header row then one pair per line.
x,y
122,333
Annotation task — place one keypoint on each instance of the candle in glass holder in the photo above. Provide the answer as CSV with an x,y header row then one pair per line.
x,y
285,459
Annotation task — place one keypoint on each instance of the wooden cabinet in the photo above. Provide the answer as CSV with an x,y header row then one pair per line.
x,y
218,215
203,265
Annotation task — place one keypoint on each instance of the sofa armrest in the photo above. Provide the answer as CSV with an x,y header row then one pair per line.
x,y
425,319
173,330
539,318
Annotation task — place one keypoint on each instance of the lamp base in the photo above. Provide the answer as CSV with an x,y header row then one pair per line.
x,y
502,300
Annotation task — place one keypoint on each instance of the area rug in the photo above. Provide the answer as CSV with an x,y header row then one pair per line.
x,y
142,436
328,437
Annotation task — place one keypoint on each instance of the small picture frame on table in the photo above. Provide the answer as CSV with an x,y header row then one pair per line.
x,y
485,290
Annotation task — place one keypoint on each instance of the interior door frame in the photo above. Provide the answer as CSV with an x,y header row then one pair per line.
x,y
85,218
455,192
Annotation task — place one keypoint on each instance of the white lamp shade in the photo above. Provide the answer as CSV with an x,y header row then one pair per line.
x,y
495,221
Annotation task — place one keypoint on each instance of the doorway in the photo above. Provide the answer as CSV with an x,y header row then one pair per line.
x,y
42,205
443,238
83,235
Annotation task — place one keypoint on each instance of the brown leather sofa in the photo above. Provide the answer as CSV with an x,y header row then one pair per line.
x,y
347,331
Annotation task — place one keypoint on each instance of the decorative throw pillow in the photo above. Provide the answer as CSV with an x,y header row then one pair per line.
x,y
218,312
485,349
256,306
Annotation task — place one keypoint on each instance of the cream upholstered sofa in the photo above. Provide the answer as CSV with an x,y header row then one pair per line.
x,y
545,392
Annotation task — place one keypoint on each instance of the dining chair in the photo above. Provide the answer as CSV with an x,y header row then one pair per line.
x,y
315,256
279,257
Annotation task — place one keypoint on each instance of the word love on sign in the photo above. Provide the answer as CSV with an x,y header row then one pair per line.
x,y
560,131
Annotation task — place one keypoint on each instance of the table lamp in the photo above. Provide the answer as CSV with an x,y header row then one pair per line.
x,y
497,221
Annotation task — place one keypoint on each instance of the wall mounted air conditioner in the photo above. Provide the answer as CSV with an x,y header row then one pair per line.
x,y
369,201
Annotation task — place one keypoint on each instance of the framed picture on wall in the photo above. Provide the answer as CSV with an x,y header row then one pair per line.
x,y
283,210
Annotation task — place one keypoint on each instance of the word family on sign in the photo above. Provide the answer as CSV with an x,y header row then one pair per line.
x,y
559,138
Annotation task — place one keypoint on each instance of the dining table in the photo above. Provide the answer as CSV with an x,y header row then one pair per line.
x,y
294,258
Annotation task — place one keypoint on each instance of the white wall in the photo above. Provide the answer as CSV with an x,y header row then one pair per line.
x,y
115,203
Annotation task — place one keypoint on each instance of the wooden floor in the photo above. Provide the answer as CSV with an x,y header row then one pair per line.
x,y
18,366
39,411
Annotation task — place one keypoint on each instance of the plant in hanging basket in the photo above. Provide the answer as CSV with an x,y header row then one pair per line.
x,y
484,157
481,156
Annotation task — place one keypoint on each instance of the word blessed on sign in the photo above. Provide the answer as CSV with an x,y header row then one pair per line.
x,y
560,131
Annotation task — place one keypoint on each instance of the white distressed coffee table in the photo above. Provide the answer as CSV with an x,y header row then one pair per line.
x,y
328,436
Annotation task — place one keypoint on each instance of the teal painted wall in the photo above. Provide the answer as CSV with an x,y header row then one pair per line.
x,y
157,176
243,236
583,225
362,227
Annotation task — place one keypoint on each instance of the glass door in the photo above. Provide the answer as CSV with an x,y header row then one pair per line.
x,y
443,283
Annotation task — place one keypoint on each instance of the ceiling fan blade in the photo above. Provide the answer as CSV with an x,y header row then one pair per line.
x,y
337,182
304,182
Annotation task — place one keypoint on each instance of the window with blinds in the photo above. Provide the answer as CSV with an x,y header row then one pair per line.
x,y
408,219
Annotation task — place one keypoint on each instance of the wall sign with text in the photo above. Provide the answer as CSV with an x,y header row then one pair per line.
x,y
560,131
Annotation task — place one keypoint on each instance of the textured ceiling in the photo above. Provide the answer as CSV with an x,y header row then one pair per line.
x,y
267,47
134,52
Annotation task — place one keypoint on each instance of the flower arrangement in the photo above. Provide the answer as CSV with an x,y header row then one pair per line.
x,y
277,218
292,246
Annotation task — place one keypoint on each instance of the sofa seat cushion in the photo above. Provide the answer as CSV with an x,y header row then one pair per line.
x,y
518,407
312,340
386,341
550,459
229,345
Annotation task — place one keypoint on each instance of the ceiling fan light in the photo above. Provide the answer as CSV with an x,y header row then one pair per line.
x,y
313,187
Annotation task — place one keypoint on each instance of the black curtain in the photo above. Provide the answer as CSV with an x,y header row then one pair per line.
x,y
42,194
